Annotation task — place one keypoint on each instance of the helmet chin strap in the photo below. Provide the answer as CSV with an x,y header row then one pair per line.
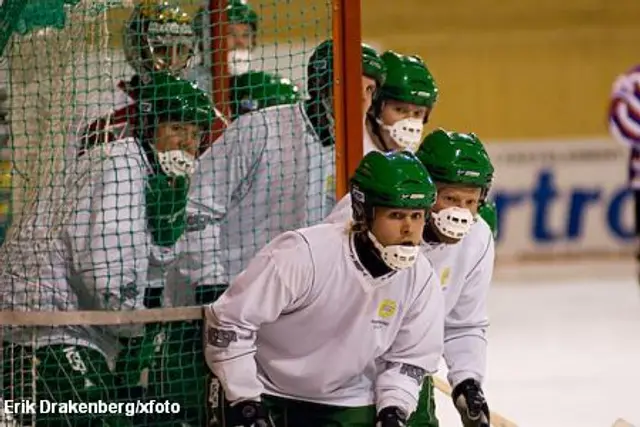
x,y
406,133
453,222
396,257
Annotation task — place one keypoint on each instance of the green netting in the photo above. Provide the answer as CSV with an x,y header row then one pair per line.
x,y
102,222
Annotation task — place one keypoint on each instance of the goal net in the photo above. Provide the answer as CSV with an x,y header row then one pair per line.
x,y
100,292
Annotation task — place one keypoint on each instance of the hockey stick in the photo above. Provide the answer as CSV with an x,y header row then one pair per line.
x,y
621,423
96,318
497,420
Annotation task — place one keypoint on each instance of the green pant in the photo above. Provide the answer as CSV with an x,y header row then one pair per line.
x,y
425,414
59,373
293,413
169,363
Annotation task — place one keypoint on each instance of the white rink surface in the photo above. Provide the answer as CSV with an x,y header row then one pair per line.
x,y
564,347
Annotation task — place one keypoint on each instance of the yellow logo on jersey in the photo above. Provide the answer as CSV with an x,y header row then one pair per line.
x,y
387,308
444,277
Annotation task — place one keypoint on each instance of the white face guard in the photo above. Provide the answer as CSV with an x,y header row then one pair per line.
x,y
239,61
176,163
397,257
327,102
406,133
453,222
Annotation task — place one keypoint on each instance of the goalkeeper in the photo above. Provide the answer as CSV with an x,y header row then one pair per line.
x,y
88,245
328,327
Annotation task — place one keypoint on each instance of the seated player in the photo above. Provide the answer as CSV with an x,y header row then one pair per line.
x,y
460,245
330,326
401,106
256,90
88,245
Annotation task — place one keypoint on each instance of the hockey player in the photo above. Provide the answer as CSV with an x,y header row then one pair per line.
x,y
255,90
242,30
330,326
624,125
402,105
92,243
460,245
158,36
269,172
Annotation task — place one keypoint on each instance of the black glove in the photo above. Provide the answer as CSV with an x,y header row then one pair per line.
x,y
249,413
470,402
391,416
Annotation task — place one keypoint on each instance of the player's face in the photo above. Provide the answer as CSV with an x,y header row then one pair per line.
x,y
393,111
393,226
368,89
177,136
171,58
458,196
239,36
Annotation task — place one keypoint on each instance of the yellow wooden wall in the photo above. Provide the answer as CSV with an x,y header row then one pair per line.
x,y
506,68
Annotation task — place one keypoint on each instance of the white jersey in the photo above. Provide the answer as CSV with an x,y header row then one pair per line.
x,y
268,173
87,247
368,145
306,321
465,270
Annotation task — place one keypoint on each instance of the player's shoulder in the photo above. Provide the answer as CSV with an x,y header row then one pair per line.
x,y
121,154
478,240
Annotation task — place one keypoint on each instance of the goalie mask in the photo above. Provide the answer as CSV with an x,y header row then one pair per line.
x,y
391,180
456,159
167,99
159,36
408,82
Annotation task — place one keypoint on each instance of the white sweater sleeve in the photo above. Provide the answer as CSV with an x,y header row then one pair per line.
x,y
415,352
274,281
465,342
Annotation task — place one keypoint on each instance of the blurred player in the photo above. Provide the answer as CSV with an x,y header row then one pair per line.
x,y
89,245
401,106
242,32
624,125
255,90
335,327
489,213
268,173
460,245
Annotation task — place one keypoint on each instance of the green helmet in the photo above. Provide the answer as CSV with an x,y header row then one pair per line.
x,y
320,67
240,12
395,180
256,90
156,23
456,158
166,97
408,80
372,65
488,211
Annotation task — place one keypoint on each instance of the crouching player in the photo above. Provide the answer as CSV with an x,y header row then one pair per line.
x,y
330,326
460,245
86,246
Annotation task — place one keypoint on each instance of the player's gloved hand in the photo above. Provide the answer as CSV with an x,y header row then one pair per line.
x,y
470,402
249,413
391,416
